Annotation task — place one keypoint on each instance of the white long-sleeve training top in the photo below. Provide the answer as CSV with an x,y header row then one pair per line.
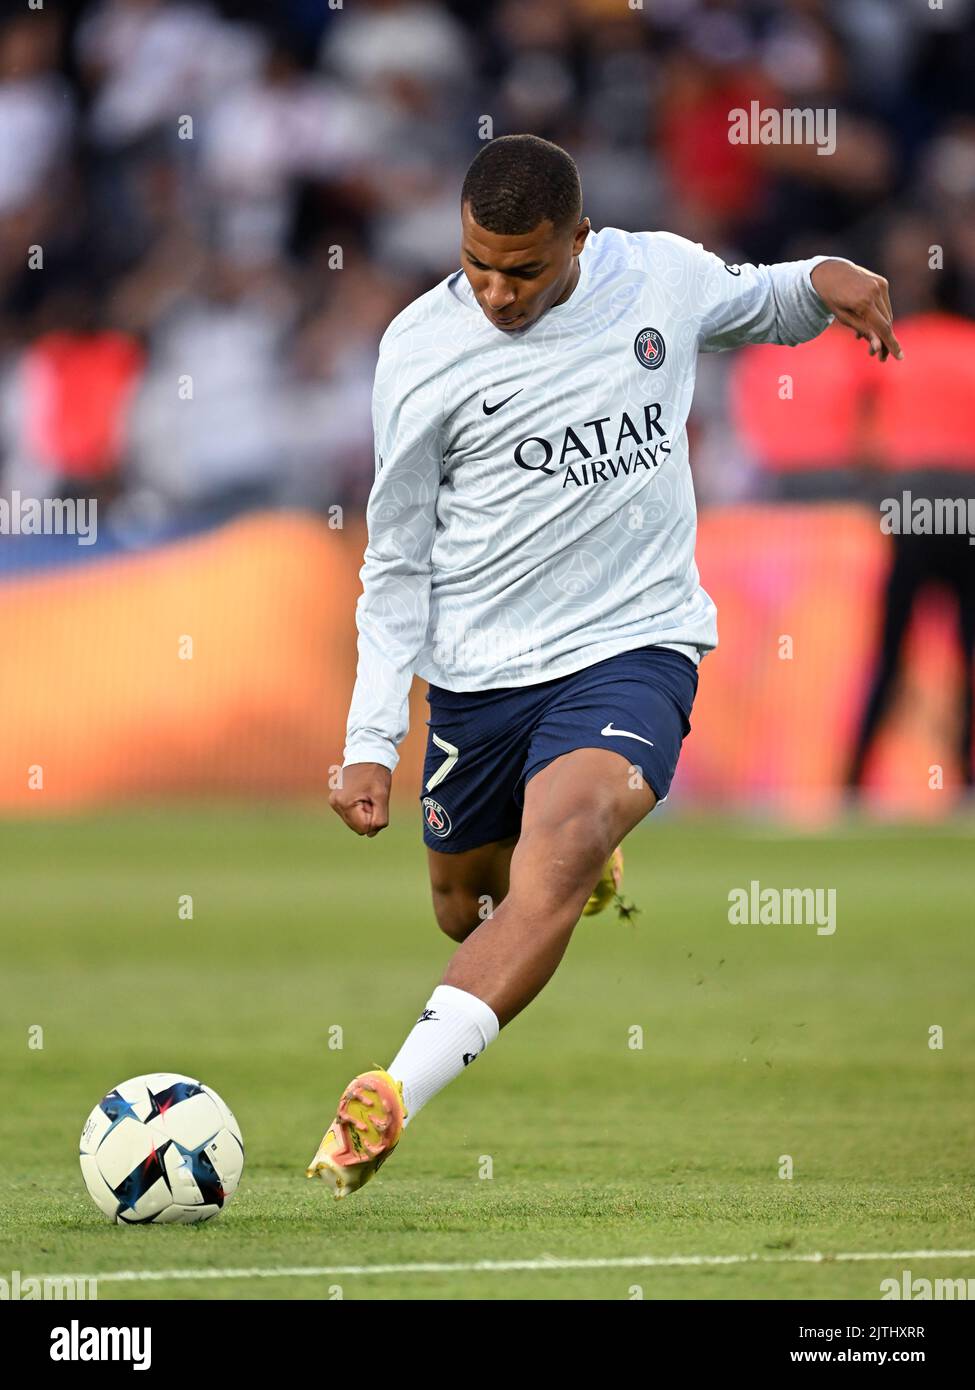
x,y
533,510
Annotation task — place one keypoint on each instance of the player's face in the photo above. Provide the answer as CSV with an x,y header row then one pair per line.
x,y
516,278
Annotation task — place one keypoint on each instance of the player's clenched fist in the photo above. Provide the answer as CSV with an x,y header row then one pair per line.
x,y
363,798
861,301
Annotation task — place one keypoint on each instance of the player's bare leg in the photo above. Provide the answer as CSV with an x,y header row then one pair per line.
x,y
576,811
466,887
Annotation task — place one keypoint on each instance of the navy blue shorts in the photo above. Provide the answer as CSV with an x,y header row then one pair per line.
x,y
485,745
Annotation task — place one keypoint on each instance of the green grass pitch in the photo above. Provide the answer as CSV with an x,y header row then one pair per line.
x,y
758,1042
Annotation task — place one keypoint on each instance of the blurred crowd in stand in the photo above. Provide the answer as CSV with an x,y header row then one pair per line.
x,y
210,212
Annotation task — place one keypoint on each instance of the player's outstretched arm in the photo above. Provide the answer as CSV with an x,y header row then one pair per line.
x,y
363,798
788,303
860,300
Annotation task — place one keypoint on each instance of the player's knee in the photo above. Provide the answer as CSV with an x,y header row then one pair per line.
x,y
584,842
456,911
560,866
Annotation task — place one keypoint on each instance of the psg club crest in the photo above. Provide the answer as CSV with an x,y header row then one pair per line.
x,y
437,820
649,348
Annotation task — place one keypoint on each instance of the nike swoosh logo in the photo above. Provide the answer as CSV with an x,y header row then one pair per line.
x,y
490,409
610,732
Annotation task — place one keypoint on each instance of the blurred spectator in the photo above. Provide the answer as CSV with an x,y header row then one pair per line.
x,y
35,111
802,415
149,62
206,427
716,186
328,405
65,407
298,128
924,444
404,42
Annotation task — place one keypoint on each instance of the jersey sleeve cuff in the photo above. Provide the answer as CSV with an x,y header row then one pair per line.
x,y
811,265
377,751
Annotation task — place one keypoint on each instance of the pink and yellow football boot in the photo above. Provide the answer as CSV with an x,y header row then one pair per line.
x,y
365,1131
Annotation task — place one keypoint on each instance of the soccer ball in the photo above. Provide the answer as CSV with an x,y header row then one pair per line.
x,y
163,1148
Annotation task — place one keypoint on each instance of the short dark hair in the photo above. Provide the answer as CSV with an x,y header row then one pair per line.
x,y
518,181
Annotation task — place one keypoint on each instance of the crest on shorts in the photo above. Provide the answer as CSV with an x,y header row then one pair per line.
x,y
650,348
436,818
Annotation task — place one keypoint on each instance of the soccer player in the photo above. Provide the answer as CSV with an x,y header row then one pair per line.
x,y
531,556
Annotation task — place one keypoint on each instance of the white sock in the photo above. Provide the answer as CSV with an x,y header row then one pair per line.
x,y
453,1028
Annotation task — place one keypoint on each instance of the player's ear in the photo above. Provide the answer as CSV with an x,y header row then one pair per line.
x,y
581,232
